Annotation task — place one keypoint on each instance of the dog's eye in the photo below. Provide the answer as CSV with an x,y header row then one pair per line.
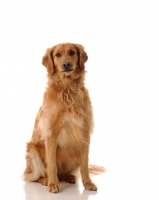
x,y
58,55
71,53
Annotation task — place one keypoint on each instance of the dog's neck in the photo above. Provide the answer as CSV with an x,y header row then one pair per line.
x,y
60,80
71,94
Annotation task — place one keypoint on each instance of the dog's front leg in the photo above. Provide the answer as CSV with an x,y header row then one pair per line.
x,y
50,146
87,183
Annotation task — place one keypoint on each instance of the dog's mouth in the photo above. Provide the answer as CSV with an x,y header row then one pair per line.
x,y
67,70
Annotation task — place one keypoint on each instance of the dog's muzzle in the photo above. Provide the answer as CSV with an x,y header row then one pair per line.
x,y
67,66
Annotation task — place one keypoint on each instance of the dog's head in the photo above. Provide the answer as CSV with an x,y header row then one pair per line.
x,y
66,59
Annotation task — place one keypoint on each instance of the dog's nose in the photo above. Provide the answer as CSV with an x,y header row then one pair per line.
x,y
67,65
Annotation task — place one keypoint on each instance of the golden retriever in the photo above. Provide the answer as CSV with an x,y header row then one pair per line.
x,y
61,137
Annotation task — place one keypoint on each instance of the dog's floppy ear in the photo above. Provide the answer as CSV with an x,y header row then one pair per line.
x,y
48,60
82,56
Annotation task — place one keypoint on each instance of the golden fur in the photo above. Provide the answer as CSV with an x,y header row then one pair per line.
x,y
61,137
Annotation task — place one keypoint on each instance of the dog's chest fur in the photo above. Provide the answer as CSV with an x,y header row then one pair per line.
x,y
65,116
70,133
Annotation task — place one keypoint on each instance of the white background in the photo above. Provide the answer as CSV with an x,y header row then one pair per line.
x,y
121,38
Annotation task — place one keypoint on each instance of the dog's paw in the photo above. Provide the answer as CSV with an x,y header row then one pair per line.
x,y
90,186
53,188
43,180
27,176
71,179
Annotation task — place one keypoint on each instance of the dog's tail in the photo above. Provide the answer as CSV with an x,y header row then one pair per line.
x,y
95,170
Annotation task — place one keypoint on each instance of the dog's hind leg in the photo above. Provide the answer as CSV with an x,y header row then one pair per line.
x,y
34,166
68,178
43,180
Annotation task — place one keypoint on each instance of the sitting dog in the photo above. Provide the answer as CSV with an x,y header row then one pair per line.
x,y
59,146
